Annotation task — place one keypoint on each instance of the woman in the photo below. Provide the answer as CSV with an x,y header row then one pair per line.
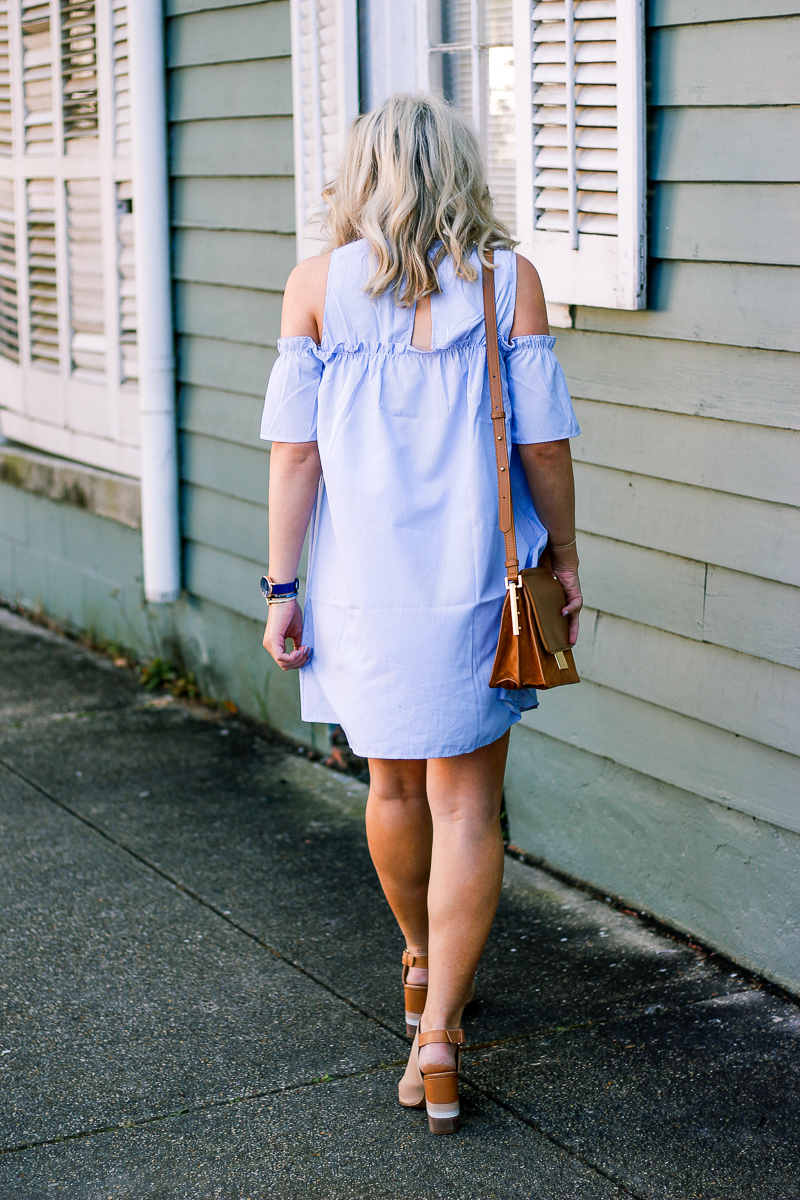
x,y
379,415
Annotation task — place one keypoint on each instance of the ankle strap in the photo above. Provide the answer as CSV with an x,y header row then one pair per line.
x,y
454,1036
415,960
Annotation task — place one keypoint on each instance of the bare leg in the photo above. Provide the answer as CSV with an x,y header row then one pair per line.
x,y
399,833
464,794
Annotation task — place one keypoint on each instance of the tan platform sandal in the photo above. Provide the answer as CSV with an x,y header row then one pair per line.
x,y
441,1083
415,993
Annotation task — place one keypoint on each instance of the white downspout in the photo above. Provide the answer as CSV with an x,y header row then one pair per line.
x,y
159,449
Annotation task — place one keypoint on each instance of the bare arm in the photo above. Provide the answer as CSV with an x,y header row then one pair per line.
x,y
548,465
548,468
294,473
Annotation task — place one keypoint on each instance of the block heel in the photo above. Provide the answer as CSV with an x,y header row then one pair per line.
x,y
441,1084
415,993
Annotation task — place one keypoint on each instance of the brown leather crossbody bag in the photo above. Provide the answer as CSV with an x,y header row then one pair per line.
x,y
533,649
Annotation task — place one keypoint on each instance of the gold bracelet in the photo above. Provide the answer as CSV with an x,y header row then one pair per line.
x,y
566,545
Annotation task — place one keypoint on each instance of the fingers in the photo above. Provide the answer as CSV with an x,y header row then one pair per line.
x,y
287,660
280,626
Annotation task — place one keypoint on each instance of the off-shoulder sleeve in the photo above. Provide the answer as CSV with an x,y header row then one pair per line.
x,y
290,405
541,410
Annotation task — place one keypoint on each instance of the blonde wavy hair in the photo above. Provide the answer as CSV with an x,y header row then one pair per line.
x,y
411,174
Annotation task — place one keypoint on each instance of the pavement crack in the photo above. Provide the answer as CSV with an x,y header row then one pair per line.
x,y
205,1106
489,1095
198,899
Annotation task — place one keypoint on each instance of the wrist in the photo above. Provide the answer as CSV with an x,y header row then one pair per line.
x,y
564,560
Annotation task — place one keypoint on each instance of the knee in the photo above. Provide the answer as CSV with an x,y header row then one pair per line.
x,y
400,793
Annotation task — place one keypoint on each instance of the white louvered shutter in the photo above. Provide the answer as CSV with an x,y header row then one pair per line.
x,y
9,313
122,104
580,140
86,299
37,77
5,83
325,101
68,353
126,265
80,112
42,273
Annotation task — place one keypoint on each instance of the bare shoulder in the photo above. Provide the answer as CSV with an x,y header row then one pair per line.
x,y
304,298
530,313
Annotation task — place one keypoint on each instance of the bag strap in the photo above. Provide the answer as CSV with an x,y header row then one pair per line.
x,y
506,504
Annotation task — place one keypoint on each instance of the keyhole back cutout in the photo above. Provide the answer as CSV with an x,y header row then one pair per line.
x,y
422,333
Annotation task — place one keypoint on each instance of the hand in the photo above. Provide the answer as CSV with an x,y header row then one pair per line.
x,y
286,621
565,569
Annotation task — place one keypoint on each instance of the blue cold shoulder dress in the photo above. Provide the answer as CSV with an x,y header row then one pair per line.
x,y
406,575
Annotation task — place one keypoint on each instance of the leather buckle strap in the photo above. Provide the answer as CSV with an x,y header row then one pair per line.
x,y
454,1036
505,502
415,960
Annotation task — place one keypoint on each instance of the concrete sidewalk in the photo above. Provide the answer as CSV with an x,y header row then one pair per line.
x,y
200,989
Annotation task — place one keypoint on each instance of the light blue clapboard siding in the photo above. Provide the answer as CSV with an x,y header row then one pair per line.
x,y
730,222
248,89
224,34
737,145
264,205
737,62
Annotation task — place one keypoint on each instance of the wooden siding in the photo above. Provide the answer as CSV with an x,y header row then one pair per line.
x,y
687,471
230,98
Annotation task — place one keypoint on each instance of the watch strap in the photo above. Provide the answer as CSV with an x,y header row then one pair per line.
x,y
268,588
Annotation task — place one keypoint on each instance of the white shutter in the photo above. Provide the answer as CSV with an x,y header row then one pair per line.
x,y
122,104
580,142
9,314
42,274
68,353
325,101
85,254
79,73
5,82
37,77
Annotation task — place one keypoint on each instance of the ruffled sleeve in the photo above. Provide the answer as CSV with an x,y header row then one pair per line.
x,y
290,405
541,410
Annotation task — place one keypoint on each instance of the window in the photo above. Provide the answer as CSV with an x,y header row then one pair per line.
x,y
325,91
67,286
555,90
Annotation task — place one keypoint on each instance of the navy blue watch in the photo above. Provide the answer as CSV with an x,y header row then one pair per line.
x,y
270,589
